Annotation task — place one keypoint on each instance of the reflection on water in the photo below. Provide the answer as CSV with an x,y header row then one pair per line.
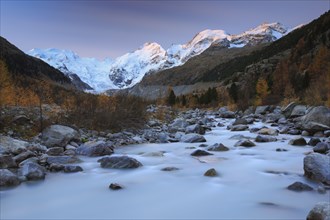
x,y
251,184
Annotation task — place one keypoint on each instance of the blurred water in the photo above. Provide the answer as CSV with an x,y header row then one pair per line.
x,y
243,190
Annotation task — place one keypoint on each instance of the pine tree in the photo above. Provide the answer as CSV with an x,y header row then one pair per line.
x,y
171,97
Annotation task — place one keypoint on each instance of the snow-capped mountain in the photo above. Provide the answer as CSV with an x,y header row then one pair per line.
x,y
87,73
129,69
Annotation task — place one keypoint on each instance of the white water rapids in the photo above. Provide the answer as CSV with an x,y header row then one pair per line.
x,y
251,185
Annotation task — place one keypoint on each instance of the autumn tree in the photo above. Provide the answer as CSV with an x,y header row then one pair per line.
x,y
261,91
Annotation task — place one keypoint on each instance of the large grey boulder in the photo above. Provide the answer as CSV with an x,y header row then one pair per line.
x,y
321,211
317,167
192,138
7,161
95,149
217,147
262,109
59,135
317,119
298,110
62,159
196,128
32,171
119,162
179,124
8,178
239,127
11,145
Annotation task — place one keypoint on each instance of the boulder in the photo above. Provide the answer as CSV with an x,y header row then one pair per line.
x,y
55,151
119,162
286,111
317,119
298,110
262,109
268,131
23,156
263,138
62,159
299,187
240,121
179,124
54,167
58,135
72,169
313,141
322,147
115,186
298,141
218,147
317,167
32,171
321,211
239,127
11,145
7,161
196,128
198,153
8,178
192,138
245,143
211,173
95,149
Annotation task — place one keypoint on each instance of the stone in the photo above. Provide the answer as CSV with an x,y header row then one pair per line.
x,y
58,135
286,111
192,138
163,137
317,167
32,171
21,120
305,133
55,151
299,187
322,147
298,141
72,169
211,173
239,127
240,121
62,159
153,154
11,145
313,141
245,143
262,109
298,110
23,156
321,211
119,162
196,128
318,134
179,124
169,169
115,186
281,150
218,147
95,149
220,124
198,153
227,114
7,161
268,131
7,178
293,131
327,133
203,145
37,148
263,138
55,167
317,119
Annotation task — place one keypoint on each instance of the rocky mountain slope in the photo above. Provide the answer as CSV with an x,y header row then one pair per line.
x,y
129,69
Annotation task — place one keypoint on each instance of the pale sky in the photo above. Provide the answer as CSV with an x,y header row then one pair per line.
x,y
101,28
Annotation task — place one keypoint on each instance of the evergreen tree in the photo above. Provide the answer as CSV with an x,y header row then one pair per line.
x,y
171,98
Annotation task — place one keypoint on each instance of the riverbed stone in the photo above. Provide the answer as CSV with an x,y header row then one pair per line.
x,y
32,171
211,173
55,151
170,169
198,153
7,161
321,211
317,167
192,138
23,156
72,169
7,178
115,186
217,147
95,148
317,119
245,143
264,138
322,147
298,141
299,187
268,131
313,141
119,162
239,127
58,135
11,145
196,128
62,159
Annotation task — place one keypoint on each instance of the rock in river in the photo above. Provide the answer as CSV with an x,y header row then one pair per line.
x,y
321,211
58,135
119,162
95,149
317,167
7,178
192,138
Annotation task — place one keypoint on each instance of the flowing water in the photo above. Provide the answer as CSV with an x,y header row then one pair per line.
x,y
251,185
